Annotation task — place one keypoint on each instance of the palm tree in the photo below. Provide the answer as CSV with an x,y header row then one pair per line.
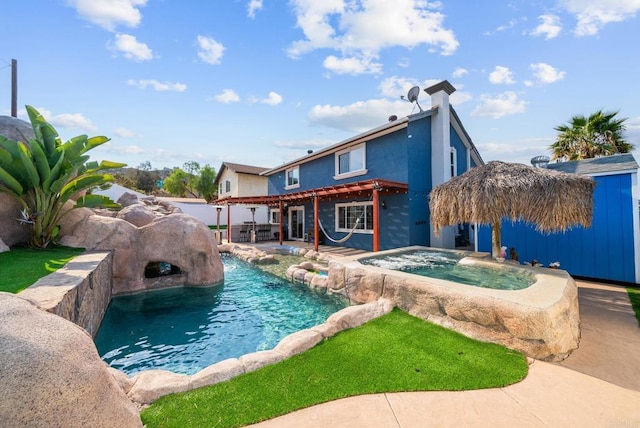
x,y
600,134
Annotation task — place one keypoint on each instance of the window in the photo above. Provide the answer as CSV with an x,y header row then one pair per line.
x,y
351,162
220,188
274,216
292,178
348,214
454,162
227,186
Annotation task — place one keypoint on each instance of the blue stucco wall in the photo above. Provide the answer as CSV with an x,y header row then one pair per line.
x,y
603,251
419,180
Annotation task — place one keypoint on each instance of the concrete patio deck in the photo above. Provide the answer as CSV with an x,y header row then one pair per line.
x,y
598,385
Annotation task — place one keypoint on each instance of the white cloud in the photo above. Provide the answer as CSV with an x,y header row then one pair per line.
x,y
517,152
404,62
544,74
460,97
227,96
549,27
501,105
359,116
131,48
512,23
459,72
363,29
394,87
273,99
109,13
593,15
123,133
158,86
253,7
352,65
210,51
72,120
501,75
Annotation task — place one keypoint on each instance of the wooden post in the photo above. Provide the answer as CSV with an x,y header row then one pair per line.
x,y
495,239
14,88
376,223
228,224
316,231
281,226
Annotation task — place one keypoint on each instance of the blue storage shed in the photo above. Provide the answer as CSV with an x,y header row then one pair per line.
x,y
610,248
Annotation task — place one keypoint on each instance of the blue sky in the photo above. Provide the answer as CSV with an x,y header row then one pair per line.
x,y
260,82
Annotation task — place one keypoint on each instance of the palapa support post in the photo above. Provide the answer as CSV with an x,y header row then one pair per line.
x,y
495,240
228,224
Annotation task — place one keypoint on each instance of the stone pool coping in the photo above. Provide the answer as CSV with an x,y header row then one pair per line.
x,y
541,321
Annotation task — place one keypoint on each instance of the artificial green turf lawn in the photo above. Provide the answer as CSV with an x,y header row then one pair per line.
x,y
21,267
397,352
634,296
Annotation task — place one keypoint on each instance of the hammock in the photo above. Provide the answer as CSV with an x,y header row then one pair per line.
x,y
343,239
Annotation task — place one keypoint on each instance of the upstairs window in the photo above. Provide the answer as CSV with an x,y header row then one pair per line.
x,y
454,162
292,178
351,162
220,188
227,186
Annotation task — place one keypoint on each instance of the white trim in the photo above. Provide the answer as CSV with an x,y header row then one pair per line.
x,y
354,173
453,162
347,204
273,211
288,186
635,198
601,174
289,218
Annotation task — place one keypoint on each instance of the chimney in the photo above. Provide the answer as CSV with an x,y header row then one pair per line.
x,y
441,149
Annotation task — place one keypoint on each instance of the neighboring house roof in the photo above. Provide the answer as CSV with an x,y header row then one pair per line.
x,y
596,166
239,169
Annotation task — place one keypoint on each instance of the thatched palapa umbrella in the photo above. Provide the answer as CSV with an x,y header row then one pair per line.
x,y
551,200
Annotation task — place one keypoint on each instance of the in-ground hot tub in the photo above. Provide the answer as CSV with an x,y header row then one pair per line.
x,y
541,320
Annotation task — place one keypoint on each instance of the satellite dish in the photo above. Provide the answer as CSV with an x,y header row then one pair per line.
x,y
412,96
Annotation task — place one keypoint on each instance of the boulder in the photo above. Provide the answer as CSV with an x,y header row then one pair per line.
x,y
16,129
11,231
136,214
51,374
127,199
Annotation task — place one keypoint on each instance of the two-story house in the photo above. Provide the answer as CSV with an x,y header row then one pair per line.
x,y
371,191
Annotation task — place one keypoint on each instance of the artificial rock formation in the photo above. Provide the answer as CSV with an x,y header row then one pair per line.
x,y
11,231
179,240
51,374
144,233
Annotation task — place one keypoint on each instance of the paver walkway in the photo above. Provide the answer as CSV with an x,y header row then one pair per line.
x,y
597,386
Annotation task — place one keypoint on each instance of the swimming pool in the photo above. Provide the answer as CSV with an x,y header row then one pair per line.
x,y
186,329
447,265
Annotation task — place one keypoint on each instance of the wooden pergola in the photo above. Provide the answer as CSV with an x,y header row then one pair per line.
x,y
373,187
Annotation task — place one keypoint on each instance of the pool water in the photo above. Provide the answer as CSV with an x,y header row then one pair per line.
x,y
186,329
444,265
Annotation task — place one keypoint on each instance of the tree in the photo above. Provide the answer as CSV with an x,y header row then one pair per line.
x,y
146,178
205,186
192,181
589,137
46,173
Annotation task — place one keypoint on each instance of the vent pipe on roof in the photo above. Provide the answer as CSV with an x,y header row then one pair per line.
x,y
393,118
309,151
540,161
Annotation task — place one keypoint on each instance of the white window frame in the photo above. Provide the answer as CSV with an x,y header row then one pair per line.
x,y
288,186
274,215
454,162
354,173
220,192
227,186
368,206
